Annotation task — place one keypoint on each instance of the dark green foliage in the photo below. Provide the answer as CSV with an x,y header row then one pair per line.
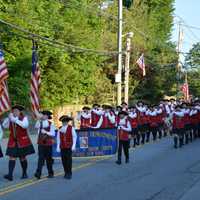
x,y
69,77
193,67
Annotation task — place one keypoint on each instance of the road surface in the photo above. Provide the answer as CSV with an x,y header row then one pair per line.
x,y
156,172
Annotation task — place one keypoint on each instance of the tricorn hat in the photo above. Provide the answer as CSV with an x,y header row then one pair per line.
x,y
65,118
48,113
18,107
86,108
122,113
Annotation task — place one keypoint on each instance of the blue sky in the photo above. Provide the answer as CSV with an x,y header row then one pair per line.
x,y
189,10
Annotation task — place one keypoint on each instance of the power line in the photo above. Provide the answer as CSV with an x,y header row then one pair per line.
x,y
67,46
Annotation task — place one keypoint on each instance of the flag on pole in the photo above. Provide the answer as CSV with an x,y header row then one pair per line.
x,y
185,90
4,96
141,64
35,82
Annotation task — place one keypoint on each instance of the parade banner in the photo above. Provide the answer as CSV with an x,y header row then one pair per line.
x,y
93,142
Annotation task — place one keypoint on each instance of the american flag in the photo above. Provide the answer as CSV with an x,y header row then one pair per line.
x,y
4,96
35,83
141,64
185,90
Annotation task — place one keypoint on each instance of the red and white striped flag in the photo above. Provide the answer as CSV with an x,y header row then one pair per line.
x,y
35,83
141,64
4,96
185,90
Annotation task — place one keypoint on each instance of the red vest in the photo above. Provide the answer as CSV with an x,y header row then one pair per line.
x,y
142,118
85,122
66,140
106,122
134,122
123,135
186,118
44,139
178,122
194,119
154,120
18,135
94,119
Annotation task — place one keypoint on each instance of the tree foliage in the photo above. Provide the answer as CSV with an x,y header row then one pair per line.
x,y
78,77
193,67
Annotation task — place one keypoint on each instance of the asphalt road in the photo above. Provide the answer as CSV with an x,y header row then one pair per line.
x,y
156,172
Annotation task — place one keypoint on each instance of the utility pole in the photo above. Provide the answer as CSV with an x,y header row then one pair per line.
x,y
127,62
179,46
118,78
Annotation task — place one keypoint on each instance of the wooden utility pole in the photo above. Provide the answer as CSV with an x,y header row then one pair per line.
x,y
127,62
118,78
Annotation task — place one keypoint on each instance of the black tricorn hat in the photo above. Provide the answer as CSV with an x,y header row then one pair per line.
x,y
124,103
18,107
107,106
96,104
48,113
178,106
122,113
86,108
65,118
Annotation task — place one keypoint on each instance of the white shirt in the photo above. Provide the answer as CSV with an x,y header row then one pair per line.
x,y
63,130
23,123
45,124
179,113
122,125
132,115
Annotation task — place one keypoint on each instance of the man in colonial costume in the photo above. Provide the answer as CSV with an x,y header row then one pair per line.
x,y
46,132
124,133
66,143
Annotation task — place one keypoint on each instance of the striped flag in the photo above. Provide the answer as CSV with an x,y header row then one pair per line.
x,y
141,64
35,83
4,96
185,90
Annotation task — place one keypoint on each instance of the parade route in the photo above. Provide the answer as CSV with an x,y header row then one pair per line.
x,y
156,172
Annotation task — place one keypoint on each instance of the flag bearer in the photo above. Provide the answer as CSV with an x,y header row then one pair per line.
x,y
66,143
46,132
19,143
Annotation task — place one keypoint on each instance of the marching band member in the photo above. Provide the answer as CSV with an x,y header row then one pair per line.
x,y
187,125
124,106
19,143
134,125
160,120
85,118
142,120
108,118
124,131
153,121
46,132
178,126
66,143
96,116
194,121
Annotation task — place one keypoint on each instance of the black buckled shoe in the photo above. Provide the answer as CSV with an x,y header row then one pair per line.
x,y
37,175
118,162
68,176
24,176
8,177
